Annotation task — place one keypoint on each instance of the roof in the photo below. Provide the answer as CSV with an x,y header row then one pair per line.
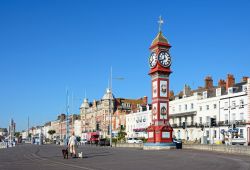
x,y
211,92
85,104
108,95
159,38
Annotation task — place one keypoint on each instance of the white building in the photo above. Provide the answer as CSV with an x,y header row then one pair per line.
x,y
184,110
227,103
47,127
78,124
136,123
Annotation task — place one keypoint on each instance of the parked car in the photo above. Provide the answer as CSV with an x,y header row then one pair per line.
x,y
104,142
134,140
83,141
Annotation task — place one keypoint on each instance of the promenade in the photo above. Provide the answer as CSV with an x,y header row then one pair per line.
x,y
49,157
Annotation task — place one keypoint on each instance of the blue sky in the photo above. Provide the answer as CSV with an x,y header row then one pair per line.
x,y
48,46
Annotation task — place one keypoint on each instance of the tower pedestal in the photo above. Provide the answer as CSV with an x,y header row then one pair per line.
x,y
159,138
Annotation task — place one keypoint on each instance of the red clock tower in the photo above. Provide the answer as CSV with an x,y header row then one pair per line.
x,y
160,131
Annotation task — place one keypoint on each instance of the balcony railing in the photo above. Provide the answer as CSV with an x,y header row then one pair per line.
x,y
207,124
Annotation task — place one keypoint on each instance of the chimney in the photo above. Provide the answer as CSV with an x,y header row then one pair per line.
x,y
171,95
230,81
244,79
145,100
94,103
187,90
221,83
208,82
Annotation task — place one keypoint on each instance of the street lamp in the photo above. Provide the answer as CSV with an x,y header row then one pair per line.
x,y
110,105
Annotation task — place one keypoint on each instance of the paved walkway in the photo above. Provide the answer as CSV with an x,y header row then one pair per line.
x,y
49,157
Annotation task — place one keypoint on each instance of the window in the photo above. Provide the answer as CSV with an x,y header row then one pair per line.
x,y
241,133
208,120
241,103
200,120
186,106
207,107
192,106
205,94
233,117
218,92
244,88
179,108
207,133
226,118
233,105
200,108
215,106
173,109
215,135
226,106
241,116
230,90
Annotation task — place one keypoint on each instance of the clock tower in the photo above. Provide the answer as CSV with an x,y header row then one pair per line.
x,y
160,131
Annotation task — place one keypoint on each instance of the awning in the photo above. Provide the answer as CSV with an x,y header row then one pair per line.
x,y
140,130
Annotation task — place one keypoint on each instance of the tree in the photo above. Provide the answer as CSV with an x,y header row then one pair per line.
x,y
17,134
121,134
51,132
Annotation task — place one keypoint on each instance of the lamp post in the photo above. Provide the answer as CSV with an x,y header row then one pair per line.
x,y
110,105
67,118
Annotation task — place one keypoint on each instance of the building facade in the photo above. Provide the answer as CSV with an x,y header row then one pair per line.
x,y
97,116
227,104
137,123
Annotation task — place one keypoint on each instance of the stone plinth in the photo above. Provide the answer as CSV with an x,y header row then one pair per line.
x,y
159,146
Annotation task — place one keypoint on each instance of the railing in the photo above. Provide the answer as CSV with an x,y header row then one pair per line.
x,y
188,124
207,124
230,149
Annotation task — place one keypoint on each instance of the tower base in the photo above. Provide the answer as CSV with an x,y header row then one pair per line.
x,y
159,146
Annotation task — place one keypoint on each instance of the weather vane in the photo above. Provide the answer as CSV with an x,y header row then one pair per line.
x,y
160,23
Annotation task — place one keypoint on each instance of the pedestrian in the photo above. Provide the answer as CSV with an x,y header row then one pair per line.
x,y
72,145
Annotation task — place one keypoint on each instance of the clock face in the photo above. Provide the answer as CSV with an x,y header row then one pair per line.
x,y
152,60
164,59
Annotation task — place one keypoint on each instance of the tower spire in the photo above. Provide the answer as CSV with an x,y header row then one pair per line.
x,y
160,22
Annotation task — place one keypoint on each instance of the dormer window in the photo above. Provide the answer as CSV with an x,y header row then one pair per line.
x,y
218,92
205,94
244,88
230,90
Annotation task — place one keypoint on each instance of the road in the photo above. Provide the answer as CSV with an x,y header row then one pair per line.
x,y
49,157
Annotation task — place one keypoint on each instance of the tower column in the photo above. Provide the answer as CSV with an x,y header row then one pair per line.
x,y
160,131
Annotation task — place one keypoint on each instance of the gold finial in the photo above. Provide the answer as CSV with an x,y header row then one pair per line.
x,y
160,23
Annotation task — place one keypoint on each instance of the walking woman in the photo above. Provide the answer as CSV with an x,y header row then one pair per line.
x,y
72,145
